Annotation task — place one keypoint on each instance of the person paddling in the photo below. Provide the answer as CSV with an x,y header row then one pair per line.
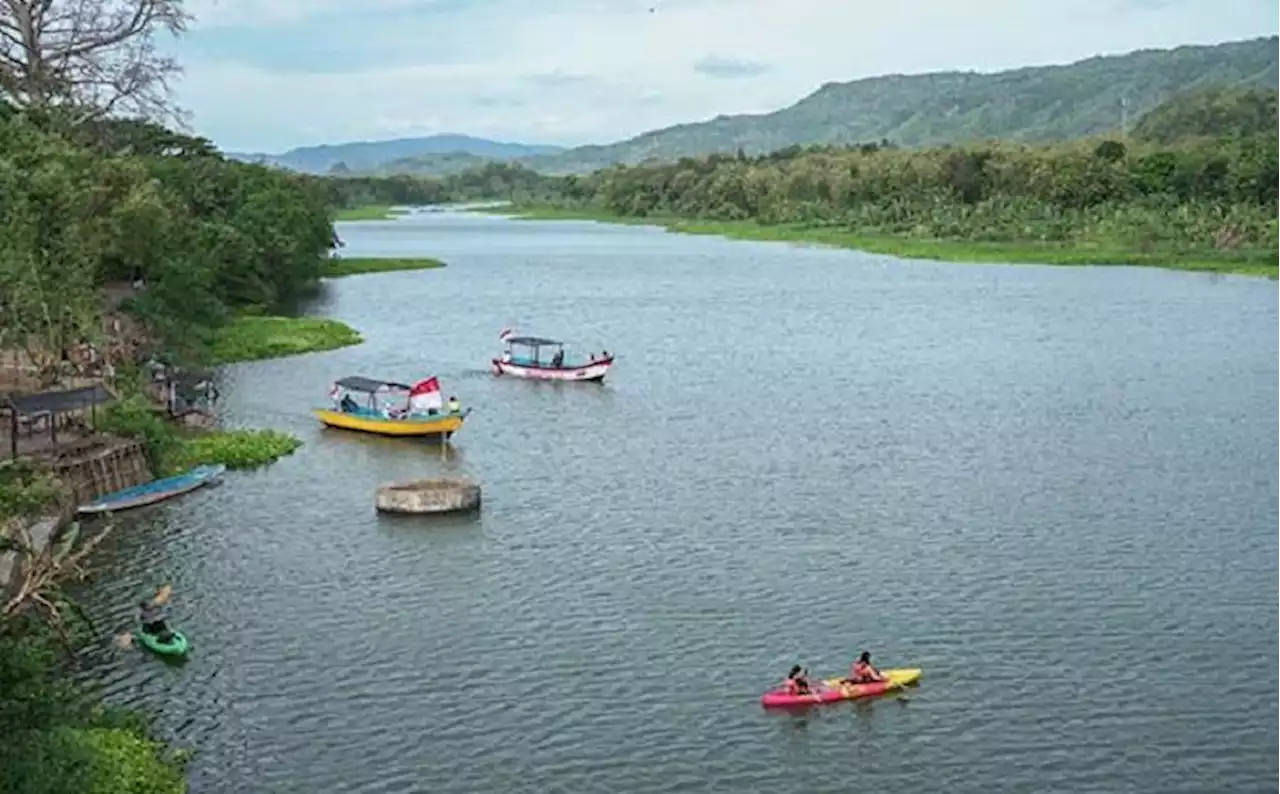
x,y
152,621
797,682
862,672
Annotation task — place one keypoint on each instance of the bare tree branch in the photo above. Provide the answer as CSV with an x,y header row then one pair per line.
x,y
90,58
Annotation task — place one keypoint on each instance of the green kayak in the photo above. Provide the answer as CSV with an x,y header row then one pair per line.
x,y
176,646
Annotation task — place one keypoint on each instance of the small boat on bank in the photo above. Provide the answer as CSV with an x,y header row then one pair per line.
x,y
834,690
392,409
155,491
539,358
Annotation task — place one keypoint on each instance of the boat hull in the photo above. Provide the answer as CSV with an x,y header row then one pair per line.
x,y
836,691
441,427
593,372
155,491
177,645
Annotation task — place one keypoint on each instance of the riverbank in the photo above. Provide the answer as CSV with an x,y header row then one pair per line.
x,y
1258,264
367,212
338,267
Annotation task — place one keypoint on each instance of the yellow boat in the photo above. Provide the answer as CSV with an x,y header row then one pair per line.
x,y
392,409
899,677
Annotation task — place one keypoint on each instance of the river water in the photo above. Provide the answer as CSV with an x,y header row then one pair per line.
x,y
1054,489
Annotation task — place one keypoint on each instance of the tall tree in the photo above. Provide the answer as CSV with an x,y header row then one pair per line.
x,y
89,58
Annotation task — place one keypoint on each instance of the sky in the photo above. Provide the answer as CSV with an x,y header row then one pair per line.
x,y
269,75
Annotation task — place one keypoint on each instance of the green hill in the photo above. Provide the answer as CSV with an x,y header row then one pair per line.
x,y
371,156
1043,103
1213,112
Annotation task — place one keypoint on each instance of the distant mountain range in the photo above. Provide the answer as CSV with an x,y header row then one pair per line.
x,y
375,156
1042,103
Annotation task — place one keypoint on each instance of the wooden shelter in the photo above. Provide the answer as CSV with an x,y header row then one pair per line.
x,y
48,410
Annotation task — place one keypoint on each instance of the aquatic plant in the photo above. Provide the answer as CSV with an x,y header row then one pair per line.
x,y
343,266
235,449
256,338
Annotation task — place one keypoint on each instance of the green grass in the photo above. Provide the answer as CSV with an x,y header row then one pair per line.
x,y
343,266
256,338
368,212
1250,263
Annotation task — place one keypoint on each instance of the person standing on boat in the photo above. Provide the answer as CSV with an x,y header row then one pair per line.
x,y
557,360
455,407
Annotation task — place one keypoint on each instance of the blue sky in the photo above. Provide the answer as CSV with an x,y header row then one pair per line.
x,y
268,75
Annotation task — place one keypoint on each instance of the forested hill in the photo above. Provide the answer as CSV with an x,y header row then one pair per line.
x,y
368,156
1031,104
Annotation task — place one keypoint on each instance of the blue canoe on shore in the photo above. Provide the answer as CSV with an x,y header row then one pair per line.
x,y
155,491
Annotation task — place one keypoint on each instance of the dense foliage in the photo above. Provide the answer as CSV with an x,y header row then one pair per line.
x,y
25,490
131,202
57,739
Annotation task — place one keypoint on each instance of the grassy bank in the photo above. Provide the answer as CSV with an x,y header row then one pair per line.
x,y
368,212
344,266
1252,263
257,338
171,449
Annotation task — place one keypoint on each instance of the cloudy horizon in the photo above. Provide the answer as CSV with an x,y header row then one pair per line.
x,y
573,72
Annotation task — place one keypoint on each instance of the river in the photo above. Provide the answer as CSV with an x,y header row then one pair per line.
x,y
1054,489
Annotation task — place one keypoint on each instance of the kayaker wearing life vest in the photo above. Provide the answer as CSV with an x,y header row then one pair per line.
x,y
862,672
797,683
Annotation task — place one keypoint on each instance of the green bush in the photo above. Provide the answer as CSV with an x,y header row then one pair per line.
x,y
25,490
135,417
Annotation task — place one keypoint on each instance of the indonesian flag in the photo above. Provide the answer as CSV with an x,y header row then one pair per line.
x,y
505,333
334,392
425,395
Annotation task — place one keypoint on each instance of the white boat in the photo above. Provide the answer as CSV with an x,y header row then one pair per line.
x,y
538,358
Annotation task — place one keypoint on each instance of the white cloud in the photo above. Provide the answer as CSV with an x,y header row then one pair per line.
x,y
497,68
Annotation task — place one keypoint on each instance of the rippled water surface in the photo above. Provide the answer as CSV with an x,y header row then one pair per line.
x,y
1054,489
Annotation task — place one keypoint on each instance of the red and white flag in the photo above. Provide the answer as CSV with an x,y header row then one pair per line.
x,y
425,395
505,333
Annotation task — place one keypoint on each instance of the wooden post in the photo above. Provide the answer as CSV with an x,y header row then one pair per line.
x,y
13,432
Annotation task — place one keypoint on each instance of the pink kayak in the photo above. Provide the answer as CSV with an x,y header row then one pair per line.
x,y
833,690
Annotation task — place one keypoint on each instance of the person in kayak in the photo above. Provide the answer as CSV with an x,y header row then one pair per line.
x,y
152,621
797,683
862,672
